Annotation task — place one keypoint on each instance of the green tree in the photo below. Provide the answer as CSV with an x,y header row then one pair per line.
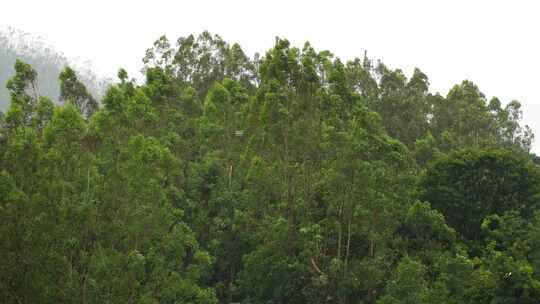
x,y
468,185
74,91
409,286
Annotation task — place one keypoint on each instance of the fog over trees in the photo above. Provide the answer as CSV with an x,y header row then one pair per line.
x,y
48,62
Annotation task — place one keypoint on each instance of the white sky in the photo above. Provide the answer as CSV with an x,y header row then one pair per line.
x,y
496,44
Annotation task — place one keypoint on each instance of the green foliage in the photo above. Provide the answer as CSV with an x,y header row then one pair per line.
x,y
74,91
468,185
409,286
290,178
426,231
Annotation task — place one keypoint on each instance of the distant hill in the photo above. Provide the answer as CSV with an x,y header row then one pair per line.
x,y
48,62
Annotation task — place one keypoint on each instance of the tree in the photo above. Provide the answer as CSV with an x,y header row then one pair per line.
x,y
409,286
291,178
23,89
45,60
468,185
74,91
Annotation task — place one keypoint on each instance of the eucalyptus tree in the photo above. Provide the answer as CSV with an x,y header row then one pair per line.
x,y
74,91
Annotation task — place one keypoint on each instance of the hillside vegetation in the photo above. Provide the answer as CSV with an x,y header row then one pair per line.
x,y
292,177
16,44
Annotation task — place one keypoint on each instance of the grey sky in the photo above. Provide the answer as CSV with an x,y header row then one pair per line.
x,y
493,43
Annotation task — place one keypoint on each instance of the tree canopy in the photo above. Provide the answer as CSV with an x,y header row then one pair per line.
x,y
291,177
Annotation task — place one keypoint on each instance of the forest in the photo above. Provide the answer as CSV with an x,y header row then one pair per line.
x,y
45,60
286,177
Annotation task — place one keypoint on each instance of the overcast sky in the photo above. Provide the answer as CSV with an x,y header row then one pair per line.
x,y
496,44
